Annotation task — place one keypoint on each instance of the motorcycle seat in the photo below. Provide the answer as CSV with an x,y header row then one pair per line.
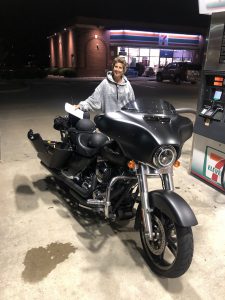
x,y
88,144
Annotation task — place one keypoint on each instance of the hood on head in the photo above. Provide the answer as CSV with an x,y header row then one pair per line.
x,y
110,78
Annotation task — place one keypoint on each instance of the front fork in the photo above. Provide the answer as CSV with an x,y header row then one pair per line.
x,y
143,173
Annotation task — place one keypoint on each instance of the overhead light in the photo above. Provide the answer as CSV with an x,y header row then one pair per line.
x,y
96,36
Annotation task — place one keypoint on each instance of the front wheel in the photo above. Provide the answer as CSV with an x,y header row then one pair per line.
x,y
170,252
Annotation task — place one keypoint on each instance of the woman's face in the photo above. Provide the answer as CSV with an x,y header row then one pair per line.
x,y
118,70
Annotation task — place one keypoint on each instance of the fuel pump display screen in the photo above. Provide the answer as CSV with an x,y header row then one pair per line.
x,y
217,95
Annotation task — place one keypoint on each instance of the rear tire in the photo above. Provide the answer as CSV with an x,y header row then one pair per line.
x,y
170,252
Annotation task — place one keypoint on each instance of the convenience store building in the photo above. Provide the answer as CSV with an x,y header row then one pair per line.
x,y
90,45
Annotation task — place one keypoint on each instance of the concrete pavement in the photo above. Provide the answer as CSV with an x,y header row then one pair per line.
x,y
51,251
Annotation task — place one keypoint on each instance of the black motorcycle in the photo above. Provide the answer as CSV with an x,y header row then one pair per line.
x,y
107,166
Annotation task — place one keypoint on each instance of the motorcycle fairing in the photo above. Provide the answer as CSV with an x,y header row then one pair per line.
x,y
147,131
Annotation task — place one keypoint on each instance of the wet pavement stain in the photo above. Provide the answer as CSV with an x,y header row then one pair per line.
x,y
39,262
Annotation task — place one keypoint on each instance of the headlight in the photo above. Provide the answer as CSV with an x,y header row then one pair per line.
x,y
164,157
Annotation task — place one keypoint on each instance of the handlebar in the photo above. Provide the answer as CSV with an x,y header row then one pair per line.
x,y
186,110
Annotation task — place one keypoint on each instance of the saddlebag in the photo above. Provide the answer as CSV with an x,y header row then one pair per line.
x,y
52,154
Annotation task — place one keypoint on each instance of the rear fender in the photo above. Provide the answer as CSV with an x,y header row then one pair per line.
x,y
173,205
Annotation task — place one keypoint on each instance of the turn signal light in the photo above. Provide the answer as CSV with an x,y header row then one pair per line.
x,y
176,164
131,164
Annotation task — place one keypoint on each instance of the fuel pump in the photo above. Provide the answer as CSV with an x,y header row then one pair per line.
x,y
208,156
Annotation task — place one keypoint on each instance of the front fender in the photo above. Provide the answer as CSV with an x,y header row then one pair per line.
x,y
173,205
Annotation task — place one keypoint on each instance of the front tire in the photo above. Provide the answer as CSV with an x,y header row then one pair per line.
x,y
170,252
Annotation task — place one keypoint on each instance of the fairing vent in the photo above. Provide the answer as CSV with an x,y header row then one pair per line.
x,y
161,119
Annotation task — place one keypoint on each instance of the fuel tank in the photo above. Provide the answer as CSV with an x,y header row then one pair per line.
x,y
141,127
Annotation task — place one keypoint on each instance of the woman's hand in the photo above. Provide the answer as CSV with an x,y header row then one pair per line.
x,y
76,106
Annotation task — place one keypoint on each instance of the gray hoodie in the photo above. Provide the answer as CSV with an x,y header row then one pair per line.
x,y
109,95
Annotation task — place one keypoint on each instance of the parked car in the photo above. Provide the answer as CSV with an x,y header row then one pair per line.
x,y
148,72
179,71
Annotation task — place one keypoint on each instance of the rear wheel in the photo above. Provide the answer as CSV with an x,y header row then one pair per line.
x,y
170,252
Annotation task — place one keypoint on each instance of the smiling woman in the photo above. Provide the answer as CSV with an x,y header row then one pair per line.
x,y
112,93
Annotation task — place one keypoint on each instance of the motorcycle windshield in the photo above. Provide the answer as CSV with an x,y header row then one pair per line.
x,y
151,107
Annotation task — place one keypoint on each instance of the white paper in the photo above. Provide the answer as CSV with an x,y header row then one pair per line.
x,y
75,112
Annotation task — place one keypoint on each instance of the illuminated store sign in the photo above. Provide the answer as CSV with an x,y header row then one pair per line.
x,y
127,37
208,7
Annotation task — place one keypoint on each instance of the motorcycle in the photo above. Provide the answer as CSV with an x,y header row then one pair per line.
x,y
107,165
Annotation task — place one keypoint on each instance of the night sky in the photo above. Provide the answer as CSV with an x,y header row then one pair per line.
x,y
25,24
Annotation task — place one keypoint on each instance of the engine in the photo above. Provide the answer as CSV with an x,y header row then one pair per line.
x,y
95,181
103,172
98,178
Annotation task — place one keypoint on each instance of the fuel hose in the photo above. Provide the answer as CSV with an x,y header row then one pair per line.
x,y
222,177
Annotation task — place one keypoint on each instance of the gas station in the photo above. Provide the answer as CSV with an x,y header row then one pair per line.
x,y
50,253
208,158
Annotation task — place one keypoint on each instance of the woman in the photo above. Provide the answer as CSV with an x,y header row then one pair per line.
x,y
112,93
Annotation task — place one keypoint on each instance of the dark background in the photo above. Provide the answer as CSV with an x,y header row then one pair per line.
x,y
25,24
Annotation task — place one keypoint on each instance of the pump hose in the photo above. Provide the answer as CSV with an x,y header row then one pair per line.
x,y
186,110
222,177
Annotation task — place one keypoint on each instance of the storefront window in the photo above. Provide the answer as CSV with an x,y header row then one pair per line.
x,y
177,55
154,58
187,55
133,56
183,55
154,52
134,52
154,62
164,61
144,52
